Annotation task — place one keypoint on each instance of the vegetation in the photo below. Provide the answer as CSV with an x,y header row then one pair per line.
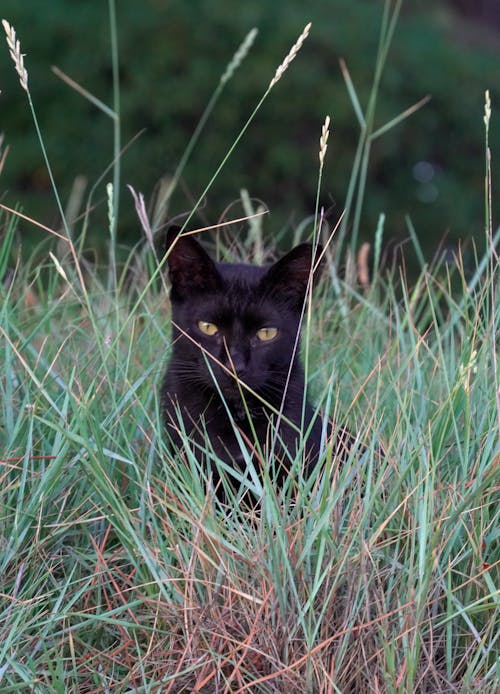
x,y
121,571
171,57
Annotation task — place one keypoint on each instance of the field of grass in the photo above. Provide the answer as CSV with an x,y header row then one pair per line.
x,y
120,570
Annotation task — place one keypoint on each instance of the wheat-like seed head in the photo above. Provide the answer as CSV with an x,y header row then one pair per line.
x,y
239,56
487,108
58,266
323,141
111,207
293,52
15,53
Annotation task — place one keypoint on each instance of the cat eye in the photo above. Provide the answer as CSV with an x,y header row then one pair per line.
x,y
208,328
266,334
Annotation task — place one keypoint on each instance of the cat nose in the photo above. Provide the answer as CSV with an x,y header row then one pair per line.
x,y
237,362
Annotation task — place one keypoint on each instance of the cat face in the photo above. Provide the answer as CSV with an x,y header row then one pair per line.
x,y
235,319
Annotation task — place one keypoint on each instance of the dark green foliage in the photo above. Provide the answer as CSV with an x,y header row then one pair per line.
x,y
172,56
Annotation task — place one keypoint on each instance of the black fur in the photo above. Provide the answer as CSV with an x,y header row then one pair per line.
x,y
239,299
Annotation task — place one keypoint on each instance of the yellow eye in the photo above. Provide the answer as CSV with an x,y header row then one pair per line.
x,y
208,328
266,334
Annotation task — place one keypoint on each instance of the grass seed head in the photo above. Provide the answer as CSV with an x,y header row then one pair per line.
x,y
487,108
239,56
15,54
323,141
293,52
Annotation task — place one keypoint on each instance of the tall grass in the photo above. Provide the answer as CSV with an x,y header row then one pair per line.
x,y
121,571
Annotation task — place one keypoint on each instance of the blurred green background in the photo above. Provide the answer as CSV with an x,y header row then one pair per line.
x,y
172,54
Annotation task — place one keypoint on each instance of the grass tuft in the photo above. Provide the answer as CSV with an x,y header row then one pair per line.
x,y
121,571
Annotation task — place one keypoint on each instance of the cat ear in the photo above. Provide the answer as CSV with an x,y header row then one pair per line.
x,y
191,270
289,277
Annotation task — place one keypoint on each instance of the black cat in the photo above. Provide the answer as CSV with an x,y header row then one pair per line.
x,y
235,357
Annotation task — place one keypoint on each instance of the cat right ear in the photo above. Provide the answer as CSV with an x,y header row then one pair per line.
x,y
289,277
190,268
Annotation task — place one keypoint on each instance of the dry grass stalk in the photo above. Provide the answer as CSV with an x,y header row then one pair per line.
x,y
140,208
362,263
3,153
293,52
15,54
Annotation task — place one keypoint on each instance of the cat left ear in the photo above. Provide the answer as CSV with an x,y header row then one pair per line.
x,y
191,269
289,277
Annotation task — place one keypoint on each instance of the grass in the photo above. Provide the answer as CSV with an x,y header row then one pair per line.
x,y
120,572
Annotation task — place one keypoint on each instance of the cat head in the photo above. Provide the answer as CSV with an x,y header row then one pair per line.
x,y
192,271
246,317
